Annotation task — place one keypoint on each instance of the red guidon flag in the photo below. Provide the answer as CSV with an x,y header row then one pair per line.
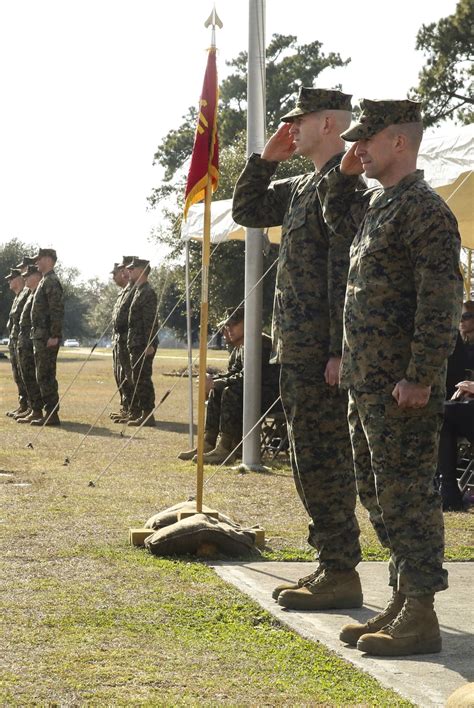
x,y
205,158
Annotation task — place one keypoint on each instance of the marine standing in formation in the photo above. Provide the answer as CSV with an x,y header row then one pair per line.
x,y
401,314
32,277
121,357
142,342
47,314
17,285
307,329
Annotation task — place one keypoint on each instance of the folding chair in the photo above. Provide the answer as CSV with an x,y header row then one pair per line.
x,y
274,438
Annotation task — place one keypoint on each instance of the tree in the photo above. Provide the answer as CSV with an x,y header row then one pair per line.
x,y
445,83
289,66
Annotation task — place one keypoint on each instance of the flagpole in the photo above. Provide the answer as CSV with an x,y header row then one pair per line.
x,y
190,350
206,250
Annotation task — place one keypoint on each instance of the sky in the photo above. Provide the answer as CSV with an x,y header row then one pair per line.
x,y
89,89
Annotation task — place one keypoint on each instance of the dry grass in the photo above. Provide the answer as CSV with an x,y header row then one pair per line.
x,y
88,620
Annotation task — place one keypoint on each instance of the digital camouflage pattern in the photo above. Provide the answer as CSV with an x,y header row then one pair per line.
x,y
311,100
143,327
26,357
404,290
321,460
121,357
225,403
47,314
13,328
395,455
377,115
312,269
307,331
402,309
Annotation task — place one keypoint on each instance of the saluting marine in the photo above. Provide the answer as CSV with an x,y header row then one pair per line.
x,y
121,357
26,358
17,285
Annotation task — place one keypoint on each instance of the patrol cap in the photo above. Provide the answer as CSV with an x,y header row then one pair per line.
x,y
30,270
26,261
232,316
126,260
377,115
137,263
311,100
14,273
116,268
45,252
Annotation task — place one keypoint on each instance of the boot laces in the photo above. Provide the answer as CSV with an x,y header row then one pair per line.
x,y
388,610
309,579
403,616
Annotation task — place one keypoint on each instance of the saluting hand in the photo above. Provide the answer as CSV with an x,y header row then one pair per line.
x,y
52,343
281,145
350,163
411,395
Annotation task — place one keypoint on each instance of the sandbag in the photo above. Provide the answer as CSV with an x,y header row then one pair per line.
x,y
170,515
202,535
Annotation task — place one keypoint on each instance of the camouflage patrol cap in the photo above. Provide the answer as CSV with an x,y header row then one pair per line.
x,y
26,261
233,315
50,252
14,273
126,260
138,263
116,268
377,115
30,270
311,100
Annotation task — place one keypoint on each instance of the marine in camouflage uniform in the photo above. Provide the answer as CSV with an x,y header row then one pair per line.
x,y
142,342
403,302
21,294
25,349
47,314
307,331
121,357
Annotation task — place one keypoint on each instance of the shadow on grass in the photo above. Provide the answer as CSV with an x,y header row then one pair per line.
x,y
172,426
96,431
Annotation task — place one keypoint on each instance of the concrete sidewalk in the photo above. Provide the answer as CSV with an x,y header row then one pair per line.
x,y
425,680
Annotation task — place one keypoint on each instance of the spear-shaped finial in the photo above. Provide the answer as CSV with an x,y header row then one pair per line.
x,y
214,21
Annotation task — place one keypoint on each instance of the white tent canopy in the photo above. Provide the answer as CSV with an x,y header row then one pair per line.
x,y
446,156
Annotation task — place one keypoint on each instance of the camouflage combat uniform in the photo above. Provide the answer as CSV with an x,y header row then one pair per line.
x,y
121,357
142,330
26,357
307,331
47,314
13,327
225,402
401,313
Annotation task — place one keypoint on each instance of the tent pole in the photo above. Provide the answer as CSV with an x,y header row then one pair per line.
x,y
254,240
190,350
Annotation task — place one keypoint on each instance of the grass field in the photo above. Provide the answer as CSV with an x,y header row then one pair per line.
x,y
87,620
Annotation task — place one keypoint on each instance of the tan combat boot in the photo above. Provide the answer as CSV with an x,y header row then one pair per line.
x,y
351,633
146,420
190,454
415,630
33,415
299,583
221,453
49,419
22,413
330,590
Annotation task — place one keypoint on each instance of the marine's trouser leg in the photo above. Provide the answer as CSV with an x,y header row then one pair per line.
x,y
45,365
125,381
16,371
403,445
117,369
28,373
232,402
213,415
142,369
321,461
